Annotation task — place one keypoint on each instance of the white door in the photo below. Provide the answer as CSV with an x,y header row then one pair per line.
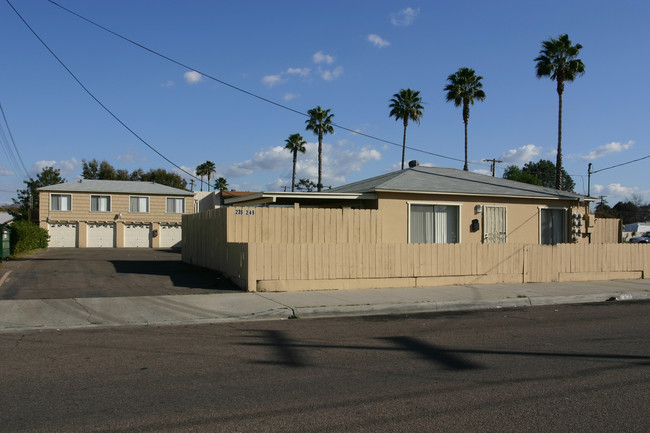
x,y
63,235
101,235
137,235
170,236
494,225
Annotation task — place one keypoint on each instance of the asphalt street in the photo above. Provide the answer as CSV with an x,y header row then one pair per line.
x,y
63,273
573,368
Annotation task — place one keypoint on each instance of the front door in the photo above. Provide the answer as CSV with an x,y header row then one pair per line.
x,y
494,225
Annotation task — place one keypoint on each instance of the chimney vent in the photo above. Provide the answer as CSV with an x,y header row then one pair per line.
x,y
413,163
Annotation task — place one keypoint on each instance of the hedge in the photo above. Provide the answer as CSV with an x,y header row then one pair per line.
x,y
26,236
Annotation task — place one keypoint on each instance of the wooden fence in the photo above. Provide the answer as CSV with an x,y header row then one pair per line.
x,y
314,249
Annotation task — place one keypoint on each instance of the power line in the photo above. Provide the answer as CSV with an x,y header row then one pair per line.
x,y
239,89
621,164
22,164
97,100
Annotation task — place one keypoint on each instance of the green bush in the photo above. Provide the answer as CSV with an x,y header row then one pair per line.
x,y
26,236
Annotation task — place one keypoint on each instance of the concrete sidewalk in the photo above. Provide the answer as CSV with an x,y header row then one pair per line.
x,y
29,315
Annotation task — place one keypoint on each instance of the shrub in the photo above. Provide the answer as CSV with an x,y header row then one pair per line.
x,y
26,236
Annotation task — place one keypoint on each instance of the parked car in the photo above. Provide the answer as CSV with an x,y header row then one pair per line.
x,y
643,239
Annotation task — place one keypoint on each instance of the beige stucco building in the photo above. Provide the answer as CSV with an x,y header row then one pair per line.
x,y
444,205
109,213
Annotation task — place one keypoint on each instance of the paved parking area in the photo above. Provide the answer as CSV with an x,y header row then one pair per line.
x,y
60,273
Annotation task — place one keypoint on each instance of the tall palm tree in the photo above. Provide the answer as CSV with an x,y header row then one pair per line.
x,y
221,184
210,168
463,88
558,60
406,105
295,144
200,171
320,122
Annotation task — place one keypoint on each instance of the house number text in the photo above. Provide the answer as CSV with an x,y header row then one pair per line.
x,y
244,212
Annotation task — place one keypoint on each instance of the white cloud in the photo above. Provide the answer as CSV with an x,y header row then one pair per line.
x,y
67,168
615,192
378,41
331,75
290,96
272,80
169,83
5,172
405,17
303,72
483,171
338,162
613,147
192,77
131,156
521,155
320,57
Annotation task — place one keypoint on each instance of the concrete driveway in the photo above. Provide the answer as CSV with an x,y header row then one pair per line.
x,y
59,273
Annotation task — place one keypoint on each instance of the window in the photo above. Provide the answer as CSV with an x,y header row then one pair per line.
x,y
100,203
553,228
139,204
61,202
434,224
175,205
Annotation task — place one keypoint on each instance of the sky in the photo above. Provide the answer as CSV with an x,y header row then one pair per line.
x,y
346,56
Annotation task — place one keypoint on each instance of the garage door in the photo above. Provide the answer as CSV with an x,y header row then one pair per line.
x,y
170,236
137,235
101,235
63,235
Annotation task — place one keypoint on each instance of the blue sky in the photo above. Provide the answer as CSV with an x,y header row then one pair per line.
x,y
350,57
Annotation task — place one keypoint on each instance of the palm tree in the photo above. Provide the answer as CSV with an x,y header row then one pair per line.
x,y
295,144
210,168
320,122
558,60
221,184
406,105
464,86
200,171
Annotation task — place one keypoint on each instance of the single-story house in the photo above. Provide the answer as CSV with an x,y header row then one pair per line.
x,y
444,205
113,213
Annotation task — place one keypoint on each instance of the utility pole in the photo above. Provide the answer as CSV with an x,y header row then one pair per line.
x,y
589,180
494,164
192,185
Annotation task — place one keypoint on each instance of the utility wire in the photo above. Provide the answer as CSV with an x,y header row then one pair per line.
x,y
13,141
97,100
239,89
621,164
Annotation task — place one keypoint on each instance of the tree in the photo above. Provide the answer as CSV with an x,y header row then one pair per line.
x,y
513,172
539,173
27,200
305,185
464,87
163,177
406,105
320,122
201,171
210,168
98,170
221,184
558,60
295,144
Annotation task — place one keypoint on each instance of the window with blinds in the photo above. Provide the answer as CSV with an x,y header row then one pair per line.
x,y
100,203
60,202
434,224
553,226
139,204
175,205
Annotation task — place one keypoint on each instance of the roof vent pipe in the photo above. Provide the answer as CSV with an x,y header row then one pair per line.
x,y
413,163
